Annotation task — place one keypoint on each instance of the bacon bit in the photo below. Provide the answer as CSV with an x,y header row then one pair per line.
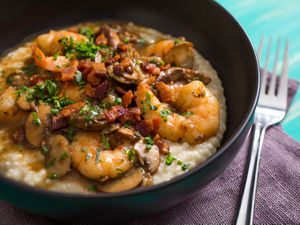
x,y
122,47
136,113
161,144
121,113
18,136
101,40
127,98
120,90
89,90
114,113
99,68
68,110
117,57
58,122
147,127
93,79
100,90
68,73
150,68
84,64
164,92
165,67
126,62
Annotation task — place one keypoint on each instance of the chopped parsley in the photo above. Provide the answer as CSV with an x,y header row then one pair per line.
x,y
184,167
50,163
79,50
92,187
88,156
187,114
131,154
64,156
79,79
9,79
105,141
149,142
89,111
55,56
35,119
177,41
169,159
148,102
165,113
30,69
157,61
70,133
97,159
118,101
45,92
44,150
86,31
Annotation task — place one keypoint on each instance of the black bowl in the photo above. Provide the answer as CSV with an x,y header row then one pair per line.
x,y
216,35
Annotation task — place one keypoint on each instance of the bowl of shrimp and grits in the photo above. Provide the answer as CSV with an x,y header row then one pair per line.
x,y
127,114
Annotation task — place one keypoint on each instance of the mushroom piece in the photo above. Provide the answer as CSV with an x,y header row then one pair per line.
x,y
111,36
22,103
128,181
9,111
177,73
58,160
147,157
36,124
147,180
182,54
125,77
128,133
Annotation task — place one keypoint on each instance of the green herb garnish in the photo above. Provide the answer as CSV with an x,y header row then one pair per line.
x,y
184,167
64,156
53,176
50,163
148,102
79,79
30,69
149,142
131,154
169,159
86,31
118,101
92,187
97,159
105,141
165,113
44,150
35,119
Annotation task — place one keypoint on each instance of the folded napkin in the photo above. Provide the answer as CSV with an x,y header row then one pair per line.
x,y
277,202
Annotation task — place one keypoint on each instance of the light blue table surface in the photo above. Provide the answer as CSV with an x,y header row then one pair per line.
x,y
279,19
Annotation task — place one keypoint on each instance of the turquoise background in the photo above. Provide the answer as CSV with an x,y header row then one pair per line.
x,y
276,19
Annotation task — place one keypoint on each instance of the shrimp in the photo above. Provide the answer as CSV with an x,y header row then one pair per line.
x,y
200,106
62,64
49,43
93,162
9,111
181,54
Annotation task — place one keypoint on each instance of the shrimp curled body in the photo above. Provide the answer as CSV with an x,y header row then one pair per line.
x,y
93,162
193,98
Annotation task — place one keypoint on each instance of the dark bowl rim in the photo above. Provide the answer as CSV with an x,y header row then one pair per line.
x,y
181,177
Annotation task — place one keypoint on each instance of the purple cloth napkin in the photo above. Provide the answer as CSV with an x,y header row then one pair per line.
x,y
277,202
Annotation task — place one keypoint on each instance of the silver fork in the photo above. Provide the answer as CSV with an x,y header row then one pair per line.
x,y
270,110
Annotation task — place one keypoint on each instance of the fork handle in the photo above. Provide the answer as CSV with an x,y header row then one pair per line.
x,y
246,210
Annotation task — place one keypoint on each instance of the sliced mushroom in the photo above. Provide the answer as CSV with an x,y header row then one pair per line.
x,y
177,73
128,133
9,111
128,181
36,124
58,159
182,54
111,36
148,157
124,77
147,180
23,103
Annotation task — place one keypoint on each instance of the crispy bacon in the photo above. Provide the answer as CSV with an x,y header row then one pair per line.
x,y
127,98
164,92
161,144
100,90
68,73
68,110
93,79
122,114
147,127
101,40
